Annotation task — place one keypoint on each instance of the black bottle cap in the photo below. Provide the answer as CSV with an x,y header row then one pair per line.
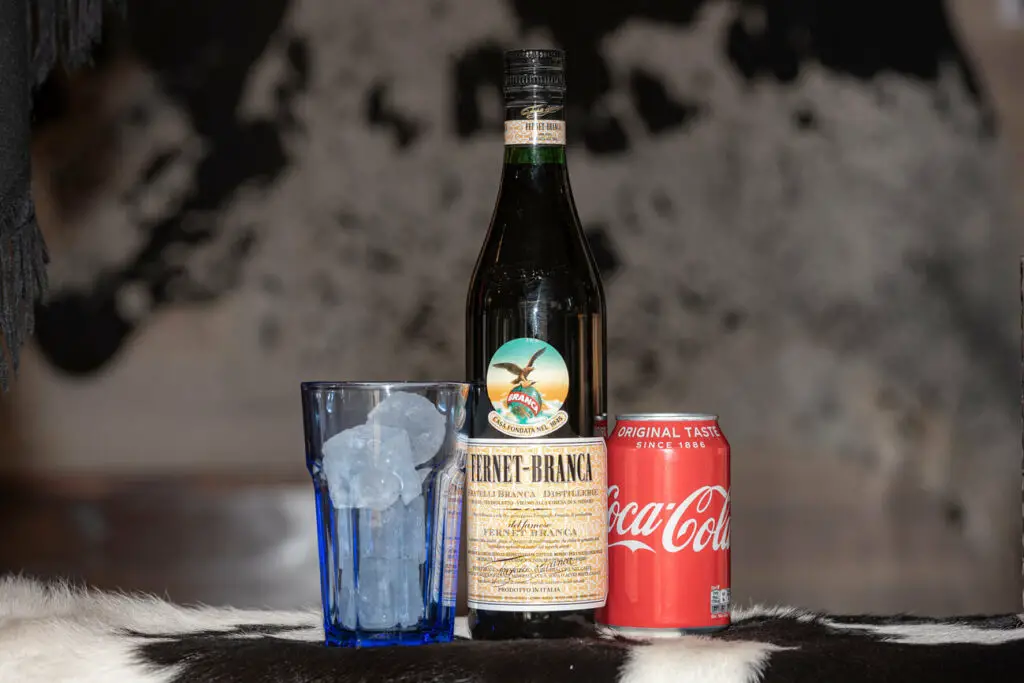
x,y
541,69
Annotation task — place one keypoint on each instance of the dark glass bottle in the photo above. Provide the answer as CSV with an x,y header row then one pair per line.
x,y
535,335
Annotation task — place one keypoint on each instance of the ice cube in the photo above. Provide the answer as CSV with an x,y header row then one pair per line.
x,y
415,528
345,584
412,484
376,594
390,593
417,416
409,600
398,532
370,466
392,550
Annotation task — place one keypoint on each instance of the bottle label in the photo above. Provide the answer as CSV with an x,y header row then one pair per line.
x,y
527,382
534,132
537,535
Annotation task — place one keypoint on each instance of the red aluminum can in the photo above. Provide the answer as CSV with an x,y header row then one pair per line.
x,y
668,524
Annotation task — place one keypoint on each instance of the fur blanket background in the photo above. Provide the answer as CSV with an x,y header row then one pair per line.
x,y
56,633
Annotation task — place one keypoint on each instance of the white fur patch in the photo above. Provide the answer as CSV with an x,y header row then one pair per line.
x,y
933,633
771,612
57,633
697,659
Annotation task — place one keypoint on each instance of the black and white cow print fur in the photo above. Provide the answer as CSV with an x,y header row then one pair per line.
x,y
56,633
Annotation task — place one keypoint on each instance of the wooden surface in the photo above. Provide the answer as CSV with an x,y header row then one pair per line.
x,y
248,544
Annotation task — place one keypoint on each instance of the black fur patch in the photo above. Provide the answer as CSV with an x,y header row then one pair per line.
x,y
805,648
221,659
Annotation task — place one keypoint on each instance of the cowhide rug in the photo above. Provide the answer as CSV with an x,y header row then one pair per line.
x,y
57,633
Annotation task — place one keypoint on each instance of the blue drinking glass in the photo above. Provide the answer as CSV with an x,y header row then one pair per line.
x,y
388,466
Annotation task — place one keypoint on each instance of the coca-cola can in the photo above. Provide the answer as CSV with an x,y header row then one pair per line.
x,y
668,524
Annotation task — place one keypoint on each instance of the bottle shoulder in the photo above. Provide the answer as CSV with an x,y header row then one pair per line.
x,y
533,282
535,248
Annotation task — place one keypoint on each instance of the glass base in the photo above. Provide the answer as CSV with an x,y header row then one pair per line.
x,y
336,637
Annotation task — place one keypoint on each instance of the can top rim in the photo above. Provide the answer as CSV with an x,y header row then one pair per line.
x,y
667,417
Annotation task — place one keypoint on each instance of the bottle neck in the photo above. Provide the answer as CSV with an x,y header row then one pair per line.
x,y
535,197
534,155
535,170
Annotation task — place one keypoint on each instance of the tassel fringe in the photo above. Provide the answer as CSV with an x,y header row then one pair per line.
x,y
64,31
60,32
23,280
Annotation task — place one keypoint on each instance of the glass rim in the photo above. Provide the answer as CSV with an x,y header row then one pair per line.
x,y
322,385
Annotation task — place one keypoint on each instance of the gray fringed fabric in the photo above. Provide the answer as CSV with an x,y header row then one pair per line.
x,y
35,35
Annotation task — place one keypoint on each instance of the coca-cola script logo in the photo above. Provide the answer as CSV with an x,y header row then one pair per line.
x,y
696,522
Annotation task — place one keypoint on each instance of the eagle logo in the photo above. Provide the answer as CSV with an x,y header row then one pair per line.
x,y
527,397
521,376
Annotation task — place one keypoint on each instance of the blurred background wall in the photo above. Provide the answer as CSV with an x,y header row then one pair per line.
x,y
804,213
